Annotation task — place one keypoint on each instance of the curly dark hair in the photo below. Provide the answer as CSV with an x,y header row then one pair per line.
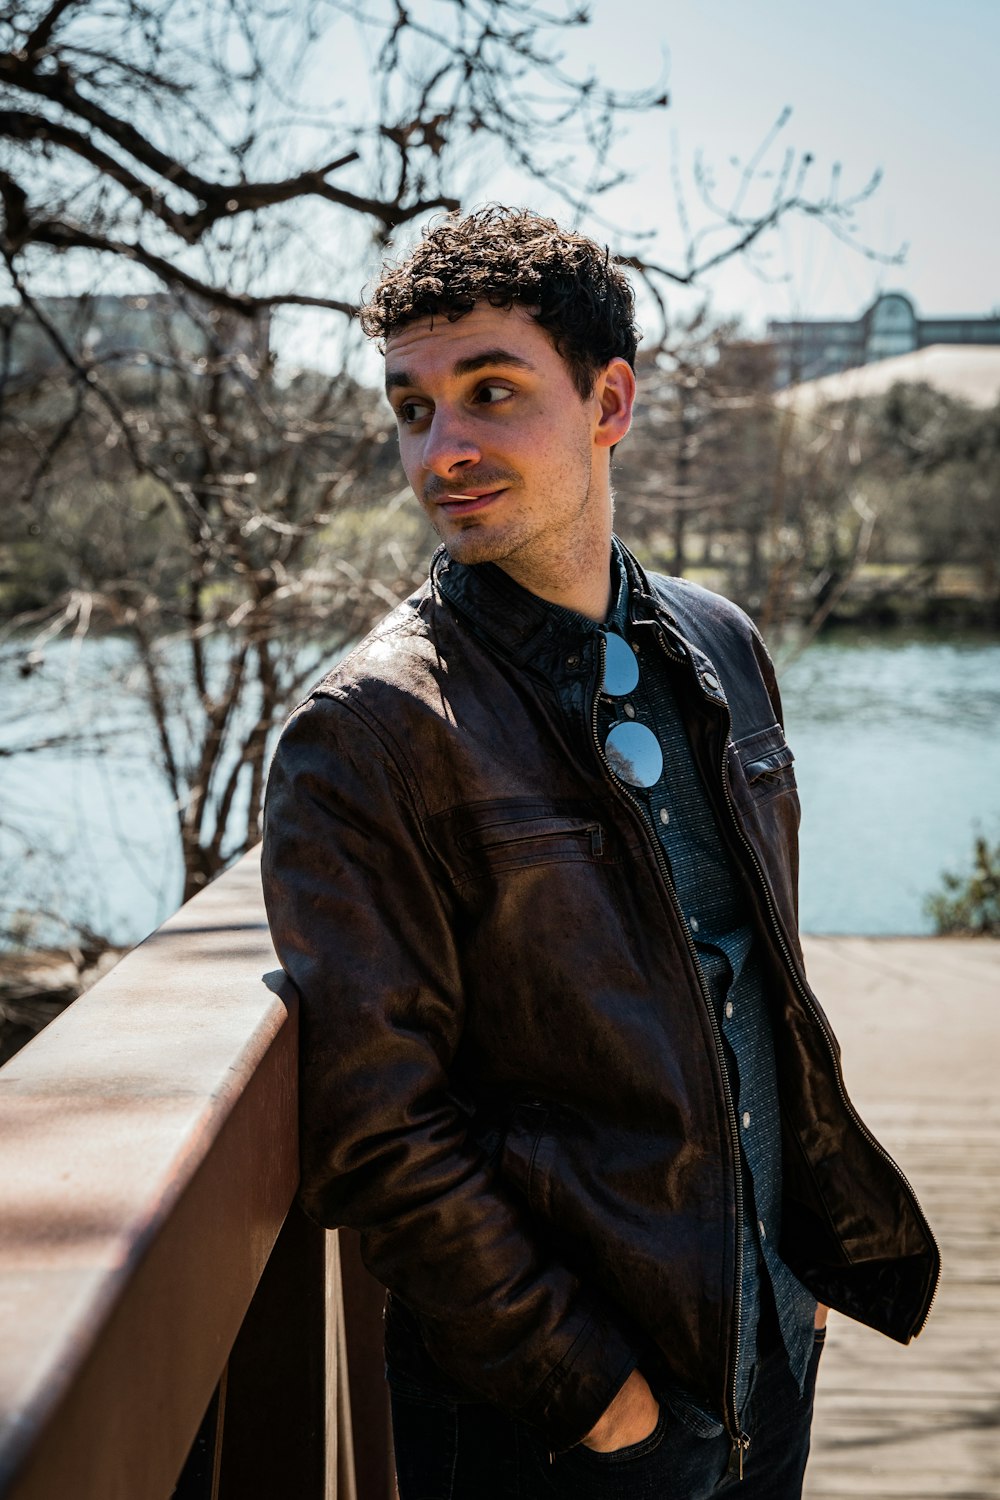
x,y
574,288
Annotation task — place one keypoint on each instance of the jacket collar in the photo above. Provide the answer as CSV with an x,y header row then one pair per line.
x,y
523,626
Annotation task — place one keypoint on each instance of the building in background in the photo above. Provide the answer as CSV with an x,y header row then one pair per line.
x,y
811,348
106,329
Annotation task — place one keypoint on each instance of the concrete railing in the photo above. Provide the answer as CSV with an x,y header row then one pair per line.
x,y
169,1324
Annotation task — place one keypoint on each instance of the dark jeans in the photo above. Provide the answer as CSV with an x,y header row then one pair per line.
x,y
458,1451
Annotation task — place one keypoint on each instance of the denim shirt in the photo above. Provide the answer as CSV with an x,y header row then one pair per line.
x,y
710,897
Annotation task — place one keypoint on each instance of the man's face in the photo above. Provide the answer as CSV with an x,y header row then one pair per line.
x,y
507,459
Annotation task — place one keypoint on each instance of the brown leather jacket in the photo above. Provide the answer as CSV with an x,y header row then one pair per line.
x,y
512,1080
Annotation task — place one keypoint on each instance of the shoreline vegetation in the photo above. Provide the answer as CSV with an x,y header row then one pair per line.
x,y
37,985
876,596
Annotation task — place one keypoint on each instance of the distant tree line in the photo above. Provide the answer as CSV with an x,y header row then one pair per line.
x,y
859,509
881,509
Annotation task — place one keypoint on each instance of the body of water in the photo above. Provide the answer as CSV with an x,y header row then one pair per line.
x,y
894,738
895,742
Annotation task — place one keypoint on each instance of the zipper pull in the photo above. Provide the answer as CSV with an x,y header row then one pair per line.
x,y
742,1446
596,841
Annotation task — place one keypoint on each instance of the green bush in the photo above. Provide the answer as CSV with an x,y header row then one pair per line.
x,y
970,904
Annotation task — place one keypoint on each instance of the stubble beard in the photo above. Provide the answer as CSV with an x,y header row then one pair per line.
x,y
534,555
473,542
532,552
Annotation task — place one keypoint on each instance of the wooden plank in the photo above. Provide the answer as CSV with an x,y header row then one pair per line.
x,y
919,1021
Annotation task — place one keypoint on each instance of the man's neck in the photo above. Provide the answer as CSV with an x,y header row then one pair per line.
x,y
580,582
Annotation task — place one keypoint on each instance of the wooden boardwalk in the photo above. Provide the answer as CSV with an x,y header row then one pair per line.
x,y
919,1020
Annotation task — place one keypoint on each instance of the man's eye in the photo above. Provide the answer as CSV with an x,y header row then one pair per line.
x,y
409,412
490,395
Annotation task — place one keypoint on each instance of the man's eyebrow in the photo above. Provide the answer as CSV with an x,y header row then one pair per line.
x,y
487,358
396,378
491,357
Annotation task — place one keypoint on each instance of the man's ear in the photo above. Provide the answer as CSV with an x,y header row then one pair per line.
x,y
614,391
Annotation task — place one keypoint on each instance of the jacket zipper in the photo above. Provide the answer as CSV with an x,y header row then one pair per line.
x,y
741,1441
803,992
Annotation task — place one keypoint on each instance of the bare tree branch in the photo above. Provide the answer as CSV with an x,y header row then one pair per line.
x,y
39,38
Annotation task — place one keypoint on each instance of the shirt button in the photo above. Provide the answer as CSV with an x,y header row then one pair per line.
x,y
629,711
729,1010
664,815
763,1231
746,1119
635,646
573,661
694,923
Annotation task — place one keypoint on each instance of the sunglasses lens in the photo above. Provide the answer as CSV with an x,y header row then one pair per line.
x,y
634,753
621,669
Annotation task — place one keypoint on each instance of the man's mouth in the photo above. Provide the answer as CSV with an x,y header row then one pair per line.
x,y
465,502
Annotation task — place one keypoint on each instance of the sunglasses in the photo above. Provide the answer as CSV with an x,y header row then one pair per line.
x,y
633,751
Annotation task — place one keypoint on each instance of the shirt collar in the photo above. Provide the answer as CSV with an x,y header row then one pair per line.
x,y
526,627
618,615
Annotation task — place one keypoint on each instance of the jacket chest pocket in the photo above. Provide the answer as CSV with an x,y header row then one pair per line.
x,y
492,838
761,766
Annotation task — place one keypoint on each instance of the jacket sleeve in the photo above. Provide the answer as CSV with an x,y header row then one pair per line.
x,y
363,929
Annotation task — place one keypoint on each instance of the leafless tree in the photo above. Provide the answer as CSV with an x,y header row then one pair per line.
x,y
185,168
700,482
722,479
218,512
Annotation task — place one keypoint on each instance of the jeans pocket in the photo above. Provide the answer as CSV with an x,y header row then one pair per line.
x,y
671,1462
631,1453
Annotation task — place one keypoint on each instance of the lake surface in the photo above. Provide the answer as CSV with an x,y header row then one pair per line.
x,y
898,768
895,741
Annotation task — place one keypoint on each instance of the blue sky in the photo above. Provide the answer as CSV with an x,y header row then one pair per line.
x,y
905,86
908,86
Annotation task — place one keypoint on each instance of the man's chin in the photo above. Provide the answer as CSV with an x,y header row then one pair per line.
x,y
476,545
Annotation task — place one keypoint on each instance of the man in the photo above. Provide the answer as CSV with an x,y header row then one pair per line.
x,y
530,859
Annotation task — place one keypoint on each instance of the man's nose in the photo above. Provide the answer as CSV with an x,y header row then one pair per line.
x,y
448,444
